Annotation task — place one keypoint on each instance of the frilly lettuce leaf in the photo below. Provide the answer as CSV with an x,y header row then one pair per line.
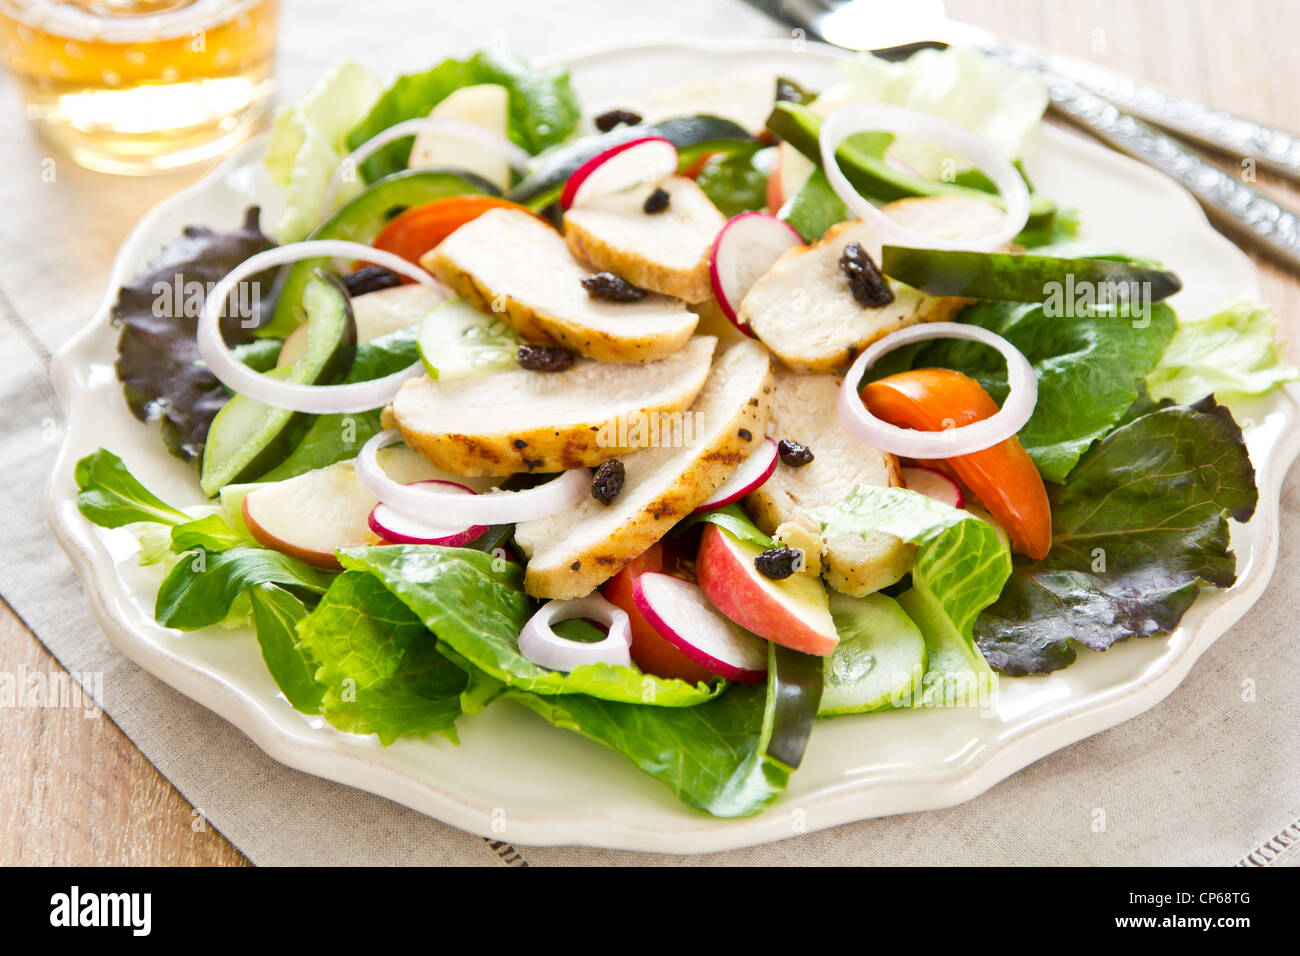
x,y
475,604
958,84
309,140
1232,354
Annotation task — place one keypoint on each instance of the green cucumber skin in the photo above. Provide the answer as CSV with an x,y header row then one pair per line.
x,y
794,693
875,626
692,135
359,220
800,127
1012,277
270,439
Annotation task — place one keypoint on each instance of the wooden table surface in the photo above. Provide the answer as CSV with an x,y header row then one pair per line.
x,y
78,792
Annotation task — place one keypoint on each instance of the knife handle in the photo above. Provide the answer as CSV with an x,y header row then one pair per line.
x,y
1232,203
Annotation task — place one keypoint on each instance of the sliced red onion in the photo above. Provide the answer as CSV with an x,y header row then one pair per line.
x,y
911,443
750,474
316,399
515,155
886,117
396,528
443,509
540,644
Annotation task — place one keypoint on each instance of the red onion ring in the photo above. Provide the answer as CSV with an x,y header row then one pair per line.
x,y
316,399
910,443
540,644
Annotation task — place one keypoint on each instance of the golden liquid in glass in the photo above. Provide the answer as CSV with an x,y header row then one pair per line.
x,y
137,86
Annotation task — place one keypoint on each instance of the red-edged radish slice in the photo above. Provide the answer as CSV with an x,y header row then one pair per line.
x,y
638,162
745,248
753,471
540,644
397,528
934,484
679,611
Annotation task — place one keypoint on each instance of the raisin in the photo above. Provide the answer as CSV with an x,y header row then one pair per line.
x,y
794,454
606,285
868,285
544,358
607,121
370,279
657,201
608,481
779,563
745,434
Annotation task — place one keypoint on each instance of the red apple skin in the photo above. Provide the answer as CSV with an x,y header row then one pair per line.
x,y
727,580
651,651
317,559
775,200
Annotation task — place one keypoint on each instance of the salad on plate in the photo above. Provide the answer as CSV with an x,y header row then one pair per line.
x,y
681,426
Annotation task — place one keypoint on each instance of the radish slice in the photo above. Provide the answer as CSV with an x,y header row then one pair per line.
x,y
888,118
540,644
516,156
638,162
452,509
679,611
396,528
753,471
909,443
745,248
316,399
934,484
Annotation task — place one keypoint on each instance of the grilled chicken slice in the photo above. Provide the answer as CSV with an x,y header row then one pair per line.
x,y
520,420
802,307
803,410
510,262
573,552
665,252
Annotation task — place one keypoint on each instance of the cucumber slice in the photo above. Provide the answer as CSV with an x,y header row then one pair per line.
x,y
692,135
1016,277
879,661
871,175
956,673
359,220
246,438
456,340
794,691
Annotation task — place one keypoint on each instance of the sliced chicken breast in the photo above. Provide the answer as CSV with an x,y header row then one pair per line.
x,y
573,552
521,420
509,262
802,308
665,251
803,410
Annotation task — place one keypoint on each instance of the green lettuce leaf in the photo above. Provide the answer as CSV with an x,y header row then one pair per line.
x,y
1231,355
734,182
110,496
200,590
1090,369
213,532
543,108
476,605
961,563
1139,526
276,614
379,668
309,140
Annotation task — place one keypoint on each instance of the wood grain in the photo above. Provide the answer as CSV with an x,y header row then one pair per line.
x,y
76,791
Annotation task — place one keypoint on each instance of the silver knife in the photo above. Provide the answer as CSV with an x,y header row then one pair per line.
x,y
895,30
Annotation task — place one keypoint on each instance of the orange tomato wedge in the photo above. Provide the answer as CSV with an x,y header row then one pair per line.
x,y
417,230
1003,477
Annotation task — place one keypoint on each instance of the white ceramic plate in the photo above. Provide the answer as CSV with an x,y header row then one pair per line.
x,y
549,786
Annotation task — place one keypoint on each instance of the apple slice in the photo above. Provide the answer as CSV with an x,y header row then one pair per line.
x,y
639,161
751,474
745,248
397,528
678,610
934,484
792,612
